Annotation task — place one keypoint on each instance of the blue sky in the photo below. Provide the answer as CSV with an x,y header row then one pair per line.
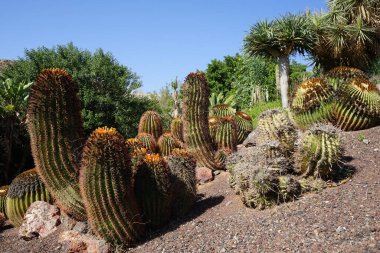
x,y
158,39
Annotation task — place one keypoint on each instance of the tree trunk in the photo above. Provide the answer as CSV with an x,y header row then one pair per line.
x,y
283,64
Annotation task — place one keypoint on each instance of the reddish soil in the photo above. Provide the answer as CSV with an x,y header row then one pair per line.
x,y
345,218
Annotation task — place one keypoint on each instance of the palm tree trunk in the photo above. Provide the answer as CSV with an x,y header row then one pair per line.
x,y
283,63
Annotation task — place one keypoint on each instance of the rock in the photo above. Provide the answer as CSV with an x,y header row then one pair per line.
x,y
365,141
216,172
67,222
203,174
41,219
73,241
378,86
81,227
250,140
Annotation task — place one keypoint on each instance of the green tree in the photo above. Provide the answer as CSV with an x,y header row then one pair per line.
x,y
105,86
278,39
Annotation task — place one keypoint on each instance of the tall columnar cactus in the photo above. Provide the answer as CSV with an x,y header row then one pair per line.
x,y
166,144
357,105
147,141
182,167
195,120
319,152
244,125
312,102
150,122
276,125
226,134
106,187
222,110
3,198
25,189
176,128
56,131
153,188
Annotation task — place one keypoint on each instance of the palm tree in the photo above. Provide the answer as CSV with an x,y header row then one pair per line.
x,y
278,39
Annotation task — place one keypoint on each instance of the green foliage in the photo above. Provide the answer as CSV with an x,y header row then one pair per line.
x,y
104,85
257,109
56,132
25,189
165,105
195,120
107,190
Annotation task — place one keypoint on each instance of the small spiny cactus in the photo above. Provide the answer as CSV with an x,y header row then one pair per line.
x,y
150,122
244,125
147,141
226,134
176,128
222,110
166,144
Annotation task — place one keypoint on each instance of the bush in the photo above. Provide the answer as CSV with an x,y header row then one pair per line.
x,y
258,108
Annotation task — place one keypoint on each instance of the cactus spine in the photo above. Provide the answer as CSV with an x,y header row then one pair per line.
x,y
319,152
150,122
148,142
166,144
222,110
182,167
226,134
244,125
357,106
57,137
195,120
153,190
106,187
3,199
312,102
25,189
176,128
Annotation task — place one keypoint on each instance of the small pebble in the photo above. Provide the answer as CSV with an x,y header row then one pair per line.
x,y
366,141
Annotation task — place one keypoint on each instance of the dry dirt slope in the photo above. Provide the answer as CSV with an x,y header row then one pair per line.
x,y
339,219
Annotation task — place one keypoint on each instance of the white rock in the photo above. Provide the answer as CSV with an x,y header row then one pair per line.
x,y
73,241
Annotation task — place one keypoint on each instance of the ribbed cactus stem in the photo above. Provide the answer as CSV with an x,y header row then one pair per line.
x,y
153,188
107,190
3,198
195,120
147,141
176,128
244,125
166,144
222,110
226,134
57,137
25,189
150,122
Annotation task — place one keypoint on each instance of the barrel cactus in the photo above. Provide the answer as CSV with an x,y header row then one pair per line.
x,y
3,198
214,123
195,120
319,152
182,167
147,141
150,122
357,105
222,154
57,137
166,144
226,134
312,102
25,189
153,189
176,128
222,110
244,126
107,190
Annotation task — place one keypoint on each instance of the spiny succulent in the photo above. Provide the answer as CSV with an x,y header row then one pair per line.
x,y
3,198
182,166
214,123
244,125
106,186
25,189
222,154
357,105
147,141
153,189
176,128
166,144
150,122
195,120
312,102
319,152
226,134
345,73
56,130
222,110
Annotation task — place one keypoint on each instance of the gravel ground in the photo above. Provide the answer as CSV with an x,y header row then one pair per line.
x,y
338,219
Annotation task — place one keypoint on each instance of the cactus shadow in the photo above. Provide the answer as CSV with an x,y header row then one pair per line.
x,y
200,206
345,170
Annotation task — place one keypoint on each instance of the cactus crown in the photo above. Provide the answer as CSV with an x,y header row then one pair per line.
x,y
147,141
222,110
345,73
181,152
28,181
150,122
244,116
4,190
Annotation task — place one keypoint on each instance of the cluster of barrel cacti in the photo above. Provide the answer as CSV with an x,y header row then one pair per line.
x,y
121,186
346,98
271,172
